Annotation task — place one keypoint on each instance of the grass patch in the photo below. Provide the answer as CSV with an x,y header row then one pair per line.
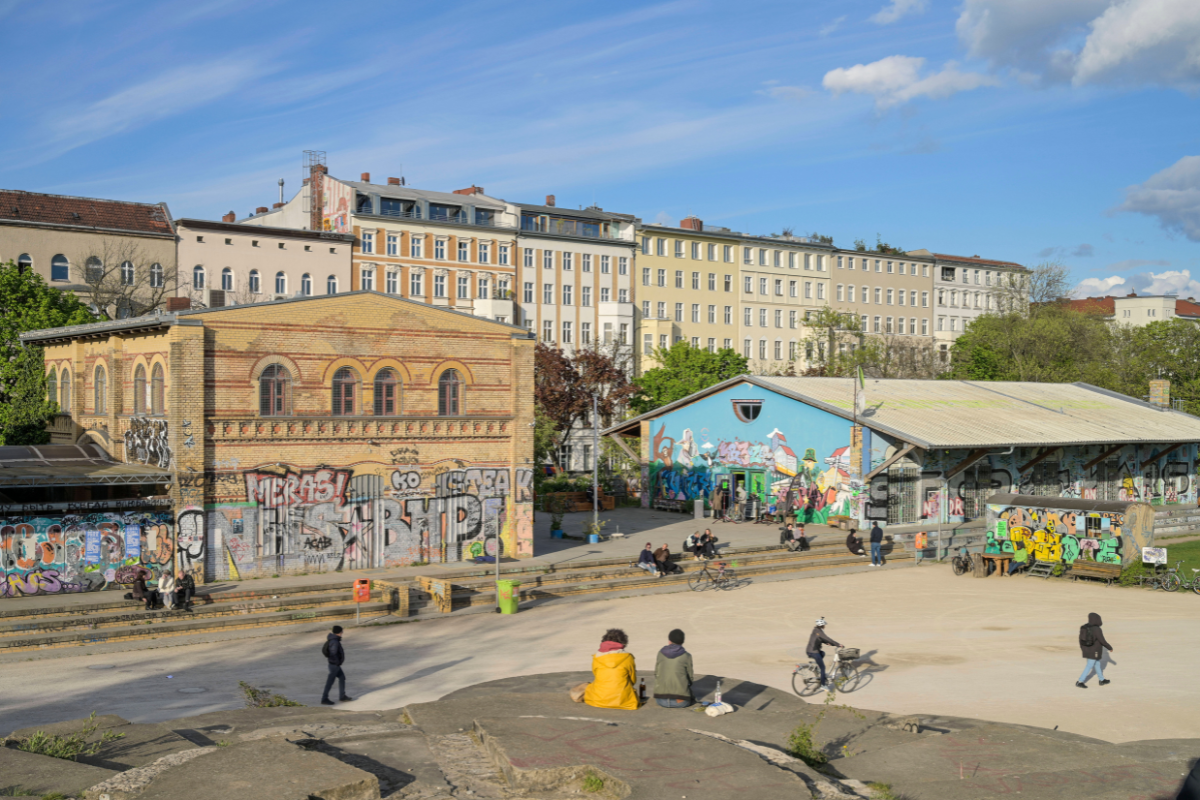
x,y
1189,552
593,782
16,791
261,698
802,743
66,746
883,791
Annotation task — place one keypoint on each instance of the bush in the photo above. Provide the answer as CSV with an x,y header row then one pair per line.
x,y
67,746
261,698
592,782
802,744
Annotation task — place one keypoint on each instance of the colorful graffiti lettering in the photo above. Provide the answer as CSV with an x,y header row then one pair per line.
x,y
1057,536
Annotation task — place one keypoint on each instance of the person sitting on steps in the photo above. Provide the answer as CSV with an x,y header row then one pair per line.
x,y
662,557
854,544
708,545
788,538
646,560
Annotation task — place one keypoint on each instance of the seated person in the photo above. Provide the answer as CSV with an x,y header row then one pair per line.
x,y
708,544
854,544
185,586
614,674
673,674
142,593
166,588
691,545
646,560
1020,559
788,537
662,558
801,539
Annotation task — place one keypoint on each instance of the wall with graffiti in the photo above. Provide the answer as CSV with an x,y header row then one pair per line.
x,y
56,552
777,441
1114,535
367,516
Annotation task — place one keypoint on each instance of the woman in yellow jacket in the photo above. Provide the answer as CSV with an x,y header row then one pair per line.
x,y
615,674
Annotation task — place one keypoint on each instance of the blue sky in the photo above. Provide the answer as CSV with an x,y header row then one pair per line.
x,y
1023,130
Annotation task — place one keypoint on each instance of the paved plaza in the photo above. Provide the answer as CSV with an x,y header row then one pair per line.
x,y
998,649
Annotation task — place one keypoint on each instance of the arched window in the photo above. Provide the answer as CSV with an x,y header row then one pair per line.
x,y
280,283
60,267
331,285
52,386
387,393
156,276
157,390
93,270
227,279
25,263
255,284
139,390
345,389
100,389
306,285
275,392
197,277
64,391
127,273
450,394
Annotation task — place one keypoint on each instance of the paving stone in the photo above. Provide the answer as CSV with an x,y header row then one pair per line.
x,y
131,783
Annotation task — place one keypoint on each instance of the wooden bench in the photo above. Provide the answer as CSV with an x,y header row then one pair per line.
x,y
578,501
1092,569
668,505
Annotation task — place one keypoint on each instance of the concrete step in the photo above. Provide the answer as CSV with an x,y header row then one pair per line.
x,y
180,625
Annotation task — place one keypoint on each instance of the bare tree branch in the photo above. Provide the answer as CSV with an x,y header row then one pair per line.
x,y
122,279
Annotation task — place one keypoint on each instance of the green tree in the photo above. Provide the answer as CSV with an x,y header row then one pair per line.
x,y
28,304
1167,350
684,370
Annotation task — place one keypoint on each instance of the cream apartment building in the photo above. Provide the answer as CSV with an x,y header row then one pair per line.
x,y
965,288
888,293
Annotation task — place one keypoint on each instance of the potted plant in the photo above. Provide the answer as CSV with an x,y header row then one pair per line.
x,y
594,529
557,506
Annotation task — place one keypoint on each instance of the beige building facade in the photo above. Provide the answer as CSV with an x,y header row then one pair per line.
x,y
889,294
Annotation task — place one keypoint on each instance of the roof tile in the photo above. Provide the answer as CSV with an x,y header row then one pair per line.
x,y
87,212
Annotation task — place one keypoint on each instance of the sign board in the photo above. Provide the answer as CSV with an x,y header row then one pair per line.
x,y
1160,393
133,541
1001,529
91,546
1154,555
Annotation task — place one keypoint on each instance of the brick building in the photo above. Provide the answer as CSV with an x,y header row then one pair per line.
x,y
351,431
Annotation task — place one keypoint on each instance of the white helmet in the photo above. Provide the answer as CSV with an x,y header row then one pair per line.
x,y
821,622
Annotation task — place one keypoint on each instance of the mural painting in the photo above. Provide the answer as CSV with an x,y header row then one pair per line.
x,y
146,442
332,519
1067,536
61,553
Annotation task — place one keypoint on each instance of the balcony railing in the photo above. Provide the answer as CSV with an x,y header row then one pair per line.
x,y
565,227
453,219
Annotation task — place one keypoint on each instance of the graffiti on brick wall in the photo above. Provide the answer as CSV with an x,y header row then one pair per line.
x,y
330,519
1057,535
146,442
54,554
189,540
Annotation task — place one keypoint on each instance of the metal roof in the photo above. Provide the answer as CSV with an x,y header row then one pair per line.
x,y
1068,503
71,465
441,198
953,415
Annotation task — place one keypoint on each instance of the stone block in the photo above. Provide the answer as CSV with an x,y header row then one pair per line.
x,y
42,774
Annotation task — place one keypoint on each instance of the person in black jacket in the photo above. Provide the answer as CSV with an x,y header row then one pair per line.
x,y
1091,639
185,589
336,655
876,545
816,639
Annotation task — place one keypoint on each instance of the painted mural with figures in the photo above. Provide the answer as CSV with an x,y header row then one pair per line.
x,y
53,553
748,429
1067,536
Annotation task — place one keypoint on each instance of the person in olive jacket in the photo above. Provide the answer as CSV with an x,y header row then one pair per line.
x,y
673,674
1091,639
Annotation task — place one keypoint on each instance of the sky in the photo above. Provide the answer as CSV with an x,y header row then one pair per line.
x,y
1020,130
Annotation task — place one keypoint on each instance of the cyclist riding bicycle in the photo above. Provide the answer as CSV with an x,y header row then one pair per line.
x,y
816,639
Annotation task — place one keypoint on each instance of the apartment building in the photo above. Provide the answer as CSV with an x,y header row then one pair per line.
x,y
1140,309
226,263
965,288
888,293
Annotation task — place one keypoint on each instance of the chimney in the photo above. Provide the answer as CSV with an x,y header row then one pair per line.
x,y
261,210
692,224
306,180
393,181
366,177
1132,294
277,205
473,190
230,217
178,304
550,200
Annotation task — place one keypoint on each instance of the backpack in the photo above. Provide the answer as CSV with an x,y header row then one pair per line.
x,y
325,649
1087,636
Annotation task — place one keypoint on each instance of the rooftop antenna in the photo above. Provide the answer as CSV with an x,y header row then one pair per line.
x,y
281,190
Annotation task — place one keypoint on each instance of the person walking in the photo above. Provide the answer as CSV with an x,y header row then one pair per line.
x,y
335,654
673,674
1091,639
876,545
816,640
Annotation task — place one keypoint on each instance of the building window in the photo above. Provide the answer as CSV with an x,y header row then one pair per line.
x,y
762,318
464,250
439,249
622,295
696,280
547,259
485,291
274,391
387,393
198,277
100,391
416,247
662,277
925,327
850,293
60,268
528,293
157,390
762,349
585,262
841,292
877,320
464,287
450,391
140,393
712,315
392,284
52,386
645,245
548,294
416,287
547,330
746,349
503,253
439,285
748,317
778,318
695,312
678,279
567,294
622,265
306,285
889,297
368,242
393,244
941,325
368,280
566,332
280,283
679,312
728,315
64,389
585,332
568,261
660,247
255,284
808,290
778,349
331,286
820,291
645,276
792,319
679,248
605,265
878,296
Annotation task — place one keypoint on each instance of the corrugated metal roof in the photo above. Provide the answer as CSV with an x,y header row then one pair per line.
x,y
966,414
71,465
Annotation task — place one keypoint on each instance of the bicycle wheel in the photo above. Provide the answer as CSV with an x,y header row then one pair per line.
x,y
699,581
1196,586
804,682
1170,583
851,677
959,564
729,581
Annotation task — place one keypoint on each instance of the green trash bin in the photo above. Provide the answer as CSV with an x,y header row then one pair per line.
x,y
509,595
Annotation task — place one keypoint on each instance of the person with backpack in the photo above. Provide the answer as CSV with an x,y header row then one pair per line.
x,y
1091,639
335,654
876,545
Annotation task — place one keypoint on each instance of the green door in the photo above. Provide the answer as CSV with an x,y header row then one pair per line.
x,y
758,485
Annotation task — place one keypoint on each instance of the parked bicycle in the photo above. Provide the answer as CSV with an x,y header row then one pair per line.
x,y
843,674
961,563
1172,580
714,575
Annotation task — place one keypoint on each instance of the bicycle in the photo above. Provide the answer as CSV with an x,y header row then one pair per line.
x,y
961,563
843,674
722,578
1172,581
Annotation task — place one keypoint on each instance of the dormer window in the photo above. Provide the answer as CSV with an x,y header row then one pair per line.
x,y
747,410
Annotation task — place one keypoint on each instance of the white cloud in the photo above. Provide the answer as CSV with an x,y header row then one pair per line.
x,y
897,79
1172,195
1087,41
1178,282
832,26
897,9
